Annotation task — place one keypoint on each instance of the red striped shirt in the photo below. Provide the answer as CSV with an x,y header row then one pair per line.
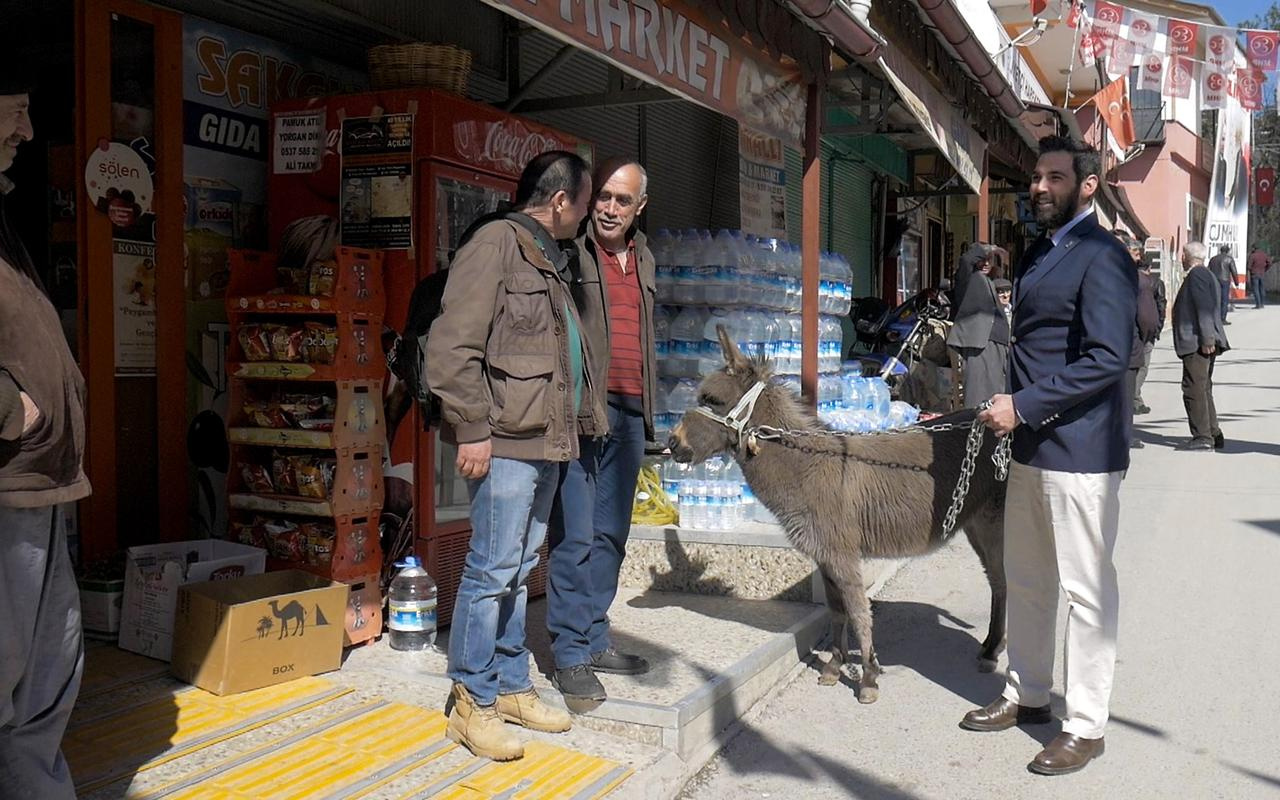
x,y
626,352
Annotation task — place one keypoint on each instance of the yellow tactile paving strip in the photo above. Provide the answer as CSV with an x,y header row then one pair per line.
x,y
346,755
545,772
122,741
352,754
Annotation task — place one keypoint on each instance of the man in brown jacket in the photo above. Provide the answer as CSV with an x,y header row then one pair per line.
x,y
41,467
614,287
511,367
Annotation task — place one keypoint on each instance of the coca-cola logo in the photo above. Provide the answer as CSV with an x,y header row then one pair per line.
x,y
510,145
1216,81
1218,44
1182,34
1262,45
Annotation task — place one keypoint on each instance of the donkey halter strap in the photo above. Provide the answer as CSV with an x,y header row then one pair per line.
x,y
739,415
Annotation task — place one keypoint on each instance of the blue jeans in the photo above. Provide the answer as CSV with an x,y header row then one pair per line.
x,y
589,530
570,600
1259,293
509,511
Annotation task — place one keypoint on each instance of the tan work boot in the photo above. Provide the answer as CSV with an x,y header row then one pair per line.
x,y
527,709
480,729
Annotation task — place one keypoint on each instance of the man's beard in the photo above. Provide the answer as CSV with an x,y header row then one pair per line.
x,y
1061,213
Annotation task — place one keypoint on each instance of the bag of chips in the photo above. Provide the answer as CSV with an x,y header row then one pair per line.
x,y
286,343
255,342
323,278
319,343
286,540
257,479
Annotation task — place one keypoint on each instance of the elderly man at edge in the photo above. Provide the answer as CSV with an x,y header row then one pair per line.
x,y
1198,339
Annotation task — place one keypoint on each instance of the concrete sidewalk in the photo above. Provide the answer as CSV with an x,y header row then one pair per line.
x,y
1196,707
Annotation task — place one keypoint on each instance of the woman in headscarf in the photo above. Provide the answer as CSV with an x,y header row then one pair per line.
x,y
980,334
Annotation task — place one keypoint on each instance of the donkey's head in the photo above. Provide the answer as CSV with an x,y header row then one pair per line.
x,y
698,436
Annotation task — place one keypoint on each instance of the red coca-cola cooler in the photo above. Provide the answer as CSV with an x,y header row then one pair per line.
x,y
406,172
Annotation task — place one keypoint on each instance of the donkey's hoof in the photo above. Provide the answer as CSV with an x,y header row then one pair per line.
x,y
868,694
829,678
987,665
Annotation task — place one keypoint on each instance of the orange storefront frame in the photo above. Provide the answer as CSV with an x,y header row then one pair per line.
x,y
100,513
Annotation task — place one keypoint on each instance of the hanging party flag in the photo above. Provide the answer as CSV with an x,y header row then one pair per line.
x,y
1142,31
1182,37
1180,72
1073,16
1220,48
1038,7
1092,45
1261,48
1121,56
1107,18
1265,185
1113,105
1249,89
1151,74
1214,86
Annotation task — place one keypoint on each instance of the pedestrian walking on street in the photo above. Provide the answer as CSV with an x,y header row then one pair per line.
x,y
1223,267
980,335
1159,296
1259,263
1075,299
1146,327
513,374
42,439
1198,339
591,520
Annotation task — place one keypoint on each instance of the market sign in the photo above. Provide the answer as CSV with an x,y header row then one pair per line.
x,y
677,46
960,143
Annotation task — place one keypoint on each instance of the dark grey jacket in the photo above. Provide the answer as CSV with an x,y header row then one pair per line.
x,y
1197,314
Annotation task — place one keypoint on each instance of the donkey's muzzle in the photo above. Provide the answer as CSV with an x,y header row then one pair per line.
x,y
681,452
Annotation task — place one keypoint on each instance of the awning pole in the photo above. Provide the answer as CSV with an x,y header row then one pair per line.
x,y
811,242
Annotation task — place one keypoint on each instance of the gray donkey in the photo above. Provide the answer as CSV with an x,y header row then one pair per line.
x,y
842,498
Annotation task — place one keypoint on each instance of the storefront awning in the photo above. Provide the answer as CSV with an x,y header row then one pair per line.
x,y
942,122
684,49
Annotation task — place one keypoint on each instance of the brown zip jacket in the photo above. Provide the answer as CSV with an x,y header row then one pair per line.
x,y
498,354
45,466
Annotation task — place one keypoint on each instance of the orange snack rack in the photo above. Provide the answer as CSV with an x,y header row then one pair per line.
x,y
311,393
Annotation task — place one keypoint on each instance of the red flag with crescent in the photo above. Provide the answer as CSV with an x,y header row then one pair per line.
x,y
1182,37
1265,178
1249,89
1113,106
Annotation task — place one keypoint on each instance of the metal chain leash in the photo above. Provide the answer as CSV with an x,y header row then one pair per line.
x,y
1000,458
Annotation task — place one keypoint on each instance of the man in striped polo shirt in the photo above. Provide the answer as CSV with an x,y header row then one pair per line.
x,y
614,290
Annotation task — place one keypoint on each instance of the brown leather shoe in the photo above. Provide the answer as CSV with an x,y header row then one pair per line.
x,y
1067,753
1002,715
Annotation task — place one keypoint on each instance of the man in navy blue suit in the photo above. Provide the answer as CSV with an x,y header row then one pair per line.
x,y
1074,302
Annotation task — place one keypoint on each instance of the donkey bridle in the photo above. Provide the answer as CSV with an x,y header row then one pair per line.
x,y
738,417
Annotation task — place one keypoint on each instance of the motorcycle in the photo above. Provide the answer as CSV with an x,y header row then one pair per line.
x,y
890,338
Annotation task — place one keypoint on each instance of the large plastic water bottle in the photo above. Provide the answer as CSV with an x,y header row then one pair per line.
x,y
660,245
710,353
673,475
878,402
686,341
715,493
411,607
684,254
746,499
844,286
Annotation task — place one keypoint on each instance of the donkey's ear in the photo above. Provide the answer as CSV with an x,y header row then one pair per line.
x,y
735,362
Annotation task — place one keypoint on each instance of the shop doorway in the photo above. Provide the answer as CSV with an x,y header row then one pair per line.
x,y
128,147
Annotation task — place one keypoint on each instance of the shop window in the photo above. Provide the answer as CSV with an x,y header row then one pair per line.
x,y
1197,213
909,265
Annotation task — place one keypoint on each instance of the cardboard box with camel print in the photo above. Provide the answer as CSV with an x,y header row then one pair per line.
x,y
259,630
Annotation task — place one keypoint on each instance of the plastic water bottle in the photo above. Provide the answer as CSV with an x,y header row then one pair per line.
x,y
411,606
660,245
673,475
844,286
710,353
686,342
746,499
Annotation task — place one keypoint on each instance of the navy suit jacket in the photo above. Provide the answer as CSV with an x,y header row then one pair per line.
x,y
1073,314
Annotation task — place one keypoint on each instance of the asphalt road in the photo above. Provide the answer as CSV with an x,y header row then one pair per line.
x,y
1196,707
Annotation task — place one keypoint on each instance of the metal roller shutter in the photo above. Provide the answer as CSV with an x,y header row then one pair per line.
x,y
848,213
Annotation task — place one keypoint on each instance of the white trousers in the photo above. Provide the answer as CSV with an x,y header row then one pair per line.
x,y
1060,531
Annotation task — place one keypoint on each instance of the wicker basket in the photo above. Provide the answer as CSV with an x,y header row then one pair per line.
x,y
420,66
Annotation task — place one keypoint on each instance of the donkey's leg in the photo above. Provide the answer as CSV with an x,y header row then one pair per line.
x,y
854,594
985,532
839,631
